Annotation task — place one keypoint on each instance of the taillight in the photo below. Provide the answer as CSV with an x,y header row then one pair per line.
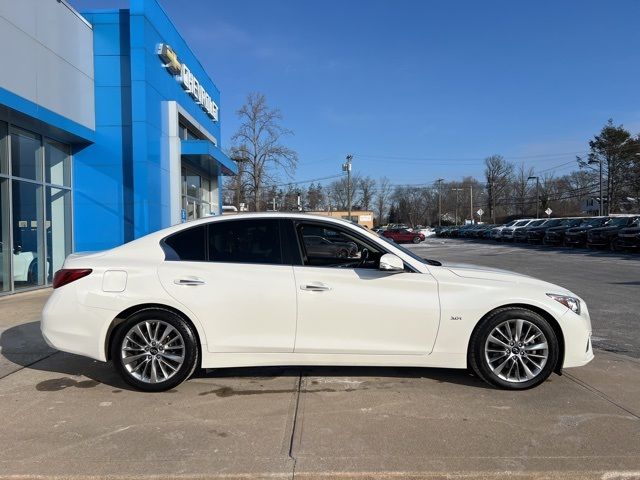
x,y
68,275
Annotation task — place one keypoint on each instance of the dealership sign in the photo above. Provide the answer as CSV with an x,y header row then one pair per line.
x,y
188,81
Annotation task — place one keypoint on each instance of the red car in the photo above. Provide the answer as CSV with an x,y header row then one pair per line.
x,y
403,235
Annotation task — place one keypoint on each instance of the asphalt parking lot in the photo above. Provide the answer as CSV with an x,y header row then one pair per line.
x,y
65,416
609,282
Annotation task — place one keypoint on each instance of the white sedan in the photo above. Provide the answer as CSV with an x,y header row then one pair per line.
x,y
246,291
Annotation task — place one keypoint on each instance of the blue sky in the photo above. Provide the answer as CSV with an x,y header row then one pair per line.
x,y
418,90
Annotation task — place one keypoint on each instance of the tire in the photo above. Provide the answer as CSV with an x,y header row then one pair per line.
x,y
487,360
174,357
416,240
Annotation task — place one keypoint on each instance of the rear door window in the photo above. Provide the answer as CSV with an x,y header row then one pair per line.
x,y
245,241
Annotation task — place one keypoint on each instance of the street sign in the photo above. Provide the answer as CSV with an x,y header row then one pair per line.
x,y
548,211
480,212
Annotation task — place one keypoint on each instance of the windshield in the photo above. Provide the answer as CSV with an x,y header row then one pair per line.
x,y
521,223
617,222
596,222
537,223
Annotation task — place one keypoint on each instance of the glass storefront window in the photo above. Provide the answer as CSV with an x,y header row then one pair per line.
x,y
4,148
193,185
58,228
25,154
28,223
205,191
56,163
5,242
35,208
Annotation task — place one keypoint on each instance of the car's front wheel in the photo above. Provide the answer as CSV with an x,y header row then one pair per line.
x,y
154,350
514,348
417,239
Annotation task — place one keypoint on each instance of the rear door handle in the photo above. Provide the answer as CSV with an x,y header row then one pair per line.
x,y
189,281
315,287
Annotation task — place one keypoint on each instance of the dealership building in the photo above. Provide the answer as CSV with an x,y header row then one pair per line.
x,y
109,130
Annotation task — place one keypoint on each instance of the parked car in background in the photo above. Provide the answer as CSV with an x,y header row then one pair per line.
x,y
555,235
507,233
403,235
480,230
536,234
426,231
496,232
577,236
520,235
604,236
628,238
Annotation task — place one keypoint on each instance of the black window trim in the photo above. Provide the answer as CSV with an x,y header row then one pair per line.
x,y
297,222
168,250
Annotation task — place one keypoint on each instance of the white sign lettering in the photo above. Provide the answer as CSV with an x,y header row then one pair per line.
x,y
188,81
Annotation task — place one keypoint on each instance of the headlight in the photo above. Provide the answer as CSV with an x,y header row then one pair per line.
x,y
570,302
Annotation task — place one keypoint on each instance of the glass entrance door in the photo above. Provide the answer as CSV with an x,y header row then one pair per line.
x,y
196,194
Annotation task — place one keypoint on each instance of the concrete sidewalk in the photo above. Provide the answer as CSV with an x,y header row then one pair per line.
x,y
65,416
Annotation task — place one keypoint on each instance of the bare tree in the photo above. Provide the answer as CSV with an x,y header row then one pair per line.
x,y
258,140
521,188
498,173
338,192
382,200
315,197
366,187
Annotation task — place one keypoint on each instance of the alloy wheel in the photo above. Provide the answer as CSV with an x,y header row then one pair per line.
x,y
516,350
152,351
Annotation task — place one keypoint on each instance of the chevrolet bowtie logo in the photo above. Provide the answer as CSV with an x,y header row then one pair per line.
x,y
170,58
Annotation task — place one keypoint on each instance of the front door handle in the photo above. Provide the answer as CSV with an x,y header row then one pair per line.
x,y
189,281
315,287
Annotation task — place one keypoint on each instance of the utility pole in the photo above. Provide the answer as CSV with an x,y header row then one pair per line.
x,y
537,195
346,167
439,202
457,190
471,203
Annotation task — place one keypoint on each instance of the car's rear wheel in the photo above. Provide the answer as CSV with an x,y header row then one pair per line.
x,y
514,348
154,350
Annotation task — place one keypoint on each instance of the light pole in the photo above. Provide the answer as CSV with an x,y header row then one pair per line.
x,y
457,190
601,200
440,201
346,167
537,195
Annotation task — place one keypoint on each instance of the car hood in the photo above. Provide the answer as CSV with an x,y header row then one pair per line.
x,y
607,229
559,228
488,273
579,229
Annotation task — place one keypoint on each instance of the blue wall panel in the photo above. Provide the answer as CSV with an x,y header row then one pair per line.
x,y
122,181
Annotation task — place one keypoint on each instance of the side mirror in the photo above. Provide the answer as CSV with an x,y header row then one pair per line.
x,y
391,263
